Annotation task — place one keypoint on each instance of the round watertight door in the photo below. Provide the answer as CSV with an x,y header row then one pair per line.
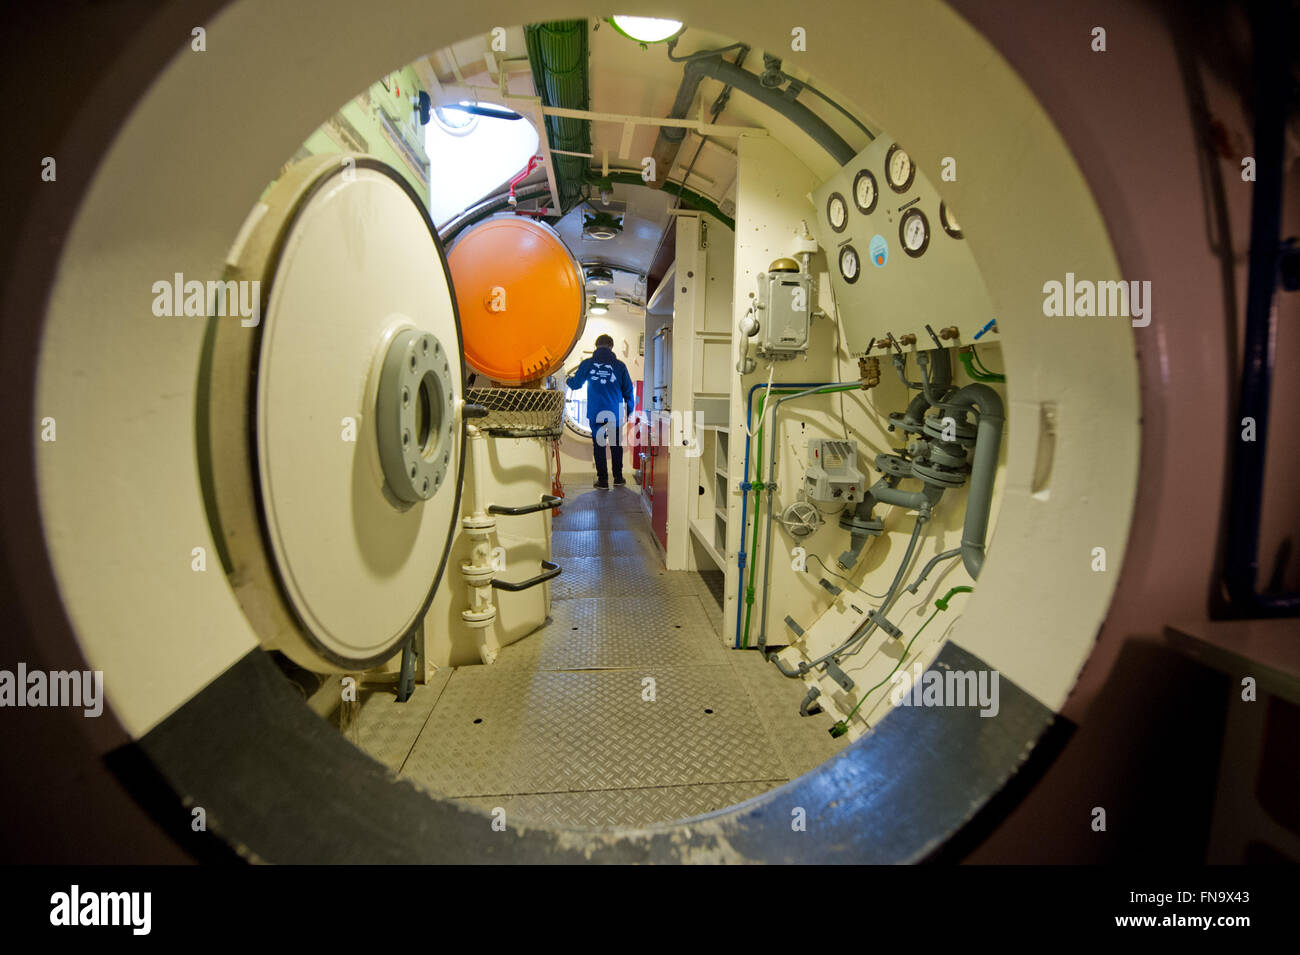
x,y
330,426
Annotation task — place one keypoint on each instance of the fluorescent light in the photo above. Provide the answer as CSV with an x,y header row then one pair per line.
x,y
647,29
598,308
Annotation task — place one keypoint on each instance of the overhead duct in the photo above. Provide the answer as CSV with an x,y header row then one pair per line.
x,y
715,67
557,53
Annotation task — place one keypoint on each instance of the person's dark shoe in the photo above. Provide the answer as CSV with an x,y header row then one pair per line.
x,y
603,485
619,482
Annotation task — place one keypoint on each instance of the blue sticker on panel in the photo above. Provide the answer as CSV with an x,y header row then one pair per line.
x,y
879,249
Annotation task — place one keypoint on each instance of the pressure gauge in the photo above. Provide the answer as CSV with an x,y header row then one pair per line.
x,y
949,221
914,232
899,171
837,212
850,264
864,192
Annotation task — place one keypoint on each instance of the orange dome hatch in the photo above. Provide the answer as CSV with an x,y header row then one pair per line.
x,y
521,297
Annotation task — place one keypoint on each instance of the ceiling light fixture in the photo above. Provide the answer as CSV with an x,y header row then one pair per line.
x,y
598,275
647,29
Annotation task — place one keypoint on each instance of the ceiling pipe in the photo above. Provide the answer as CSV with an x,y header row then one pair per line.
x,y
714,67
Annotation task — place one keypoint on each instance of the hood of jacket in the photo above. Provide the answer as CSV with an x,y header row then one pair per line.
x,y
604,354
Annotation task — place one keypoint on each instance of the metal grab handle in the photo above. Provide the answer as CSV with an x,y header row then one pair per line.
x,y
549,571
548,501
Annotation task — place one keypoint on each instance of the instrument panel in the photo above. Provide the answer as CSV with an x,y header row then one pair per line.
x,y
898,258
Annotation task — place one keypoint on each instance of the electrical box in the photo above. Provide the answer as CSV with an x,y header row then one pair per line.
x,y
784,310
833,476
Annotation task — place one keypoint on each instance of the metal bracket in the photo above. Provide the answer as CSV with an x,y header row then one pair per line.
x,y
879,620
839,676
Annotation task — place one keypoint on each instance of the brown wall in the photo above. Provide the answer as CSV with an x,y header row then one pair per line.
x,y
1138,119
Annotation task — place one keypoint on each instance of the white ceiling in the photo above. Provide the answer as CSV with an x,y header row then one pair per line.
x,y
629,80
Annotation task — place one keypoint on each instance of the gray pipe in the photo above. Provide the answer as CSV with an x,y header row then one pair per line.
x,y
857,536
922,500
771,473
861,635
914,417
946,555
717,68
988,441
891,595
935,386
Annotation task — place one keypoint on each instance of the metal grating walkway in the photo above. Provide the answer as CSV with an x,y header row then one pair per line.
x,y
560,730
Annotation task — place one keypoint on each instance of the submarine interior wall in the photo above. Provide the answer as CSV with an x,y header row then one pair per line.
x,y
1154,234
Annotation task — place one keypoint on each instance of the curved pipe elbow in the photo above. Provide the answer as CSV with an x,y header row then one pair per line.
x,y
988,442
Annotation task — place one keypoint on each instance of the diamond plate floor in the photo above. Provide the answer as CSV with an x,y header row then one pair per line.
x,y
626,709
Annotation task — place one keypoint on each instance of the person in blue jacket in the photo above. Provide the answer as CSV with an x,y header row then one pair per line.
x,y
609,391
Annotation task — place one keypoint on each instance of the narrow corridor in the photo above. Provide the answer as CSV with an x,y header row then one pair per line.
x,y
626,709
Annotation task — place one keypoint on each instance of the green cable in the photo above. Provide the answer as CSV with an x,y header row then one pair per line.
x,y
979,362
842,726
758,496
976,375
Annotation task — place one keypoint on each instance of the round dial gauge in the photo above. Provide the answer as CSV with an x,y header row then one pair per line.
x,y
850,264
864,192
899,171
837,212
949,221
914,232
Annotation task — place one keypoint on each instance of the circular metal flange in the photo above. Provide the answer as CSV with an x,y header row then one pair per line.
x,y
894,465
962,431
938,475
948,454
415,415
